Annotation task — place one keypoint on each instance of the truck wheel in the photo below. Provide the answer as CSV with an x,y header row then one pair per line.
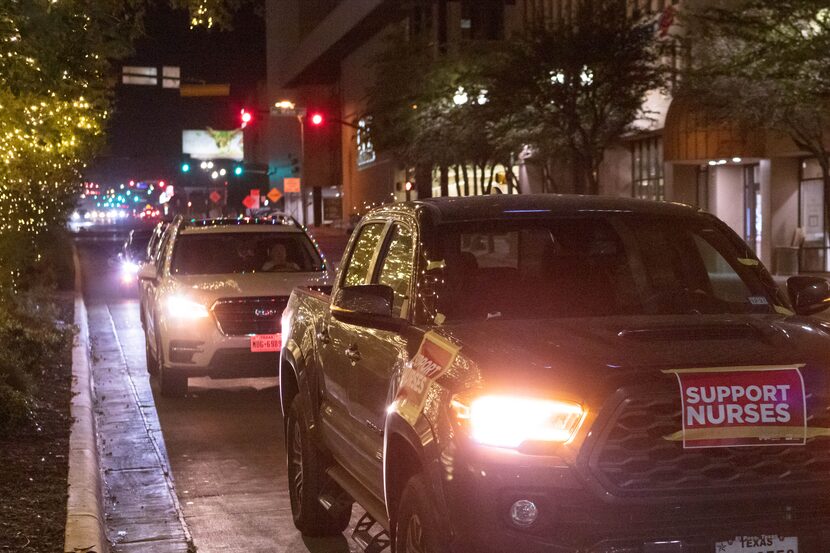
x,y
306,480
152,360
416,527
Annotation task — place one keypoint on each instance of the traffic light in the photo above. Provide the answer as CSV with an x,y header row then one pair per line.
x,y
317,119
245,117
238,170
185,167
295,164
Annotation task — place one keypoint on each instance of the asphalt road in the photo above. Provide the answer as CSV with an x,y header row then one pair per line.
x,y
224,440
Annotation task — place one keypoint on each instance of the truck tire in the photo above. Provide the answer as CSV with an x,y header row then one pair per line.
x,y
416,526
152,360
306,480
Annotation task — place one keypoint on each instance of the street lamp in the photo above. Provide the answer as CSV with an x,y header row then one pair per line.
x,y
289,108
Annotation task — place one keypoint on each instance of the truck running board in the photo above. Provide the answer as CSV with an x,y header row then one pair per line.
x,y
370,536
358,493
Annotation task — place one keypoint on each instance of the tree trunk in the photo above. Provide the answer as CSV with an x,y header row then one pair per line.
x,y
445,180
466,180
457,180
423,181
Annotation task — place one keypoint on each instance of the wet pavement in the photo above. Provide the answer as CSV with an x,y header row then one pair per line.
x,y
210,465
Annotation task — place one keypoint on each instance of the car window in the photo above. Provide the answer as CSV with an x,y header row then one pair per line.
x,y
358,266
244,252
396,268
603,265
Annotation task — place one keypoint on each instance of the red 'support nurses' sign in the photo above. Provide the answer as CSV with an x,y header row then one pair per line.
x,y
747,406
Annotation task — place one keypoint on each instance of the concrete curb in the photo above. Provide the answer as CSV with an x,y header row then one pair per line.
x,y
85,525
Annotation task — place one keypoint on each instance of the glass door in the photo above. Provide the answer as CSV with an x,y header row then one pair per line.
x,y
753,216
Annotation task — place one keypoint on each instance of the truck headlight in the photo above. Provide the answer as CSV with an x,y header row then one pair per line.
x,y
510,421
180,307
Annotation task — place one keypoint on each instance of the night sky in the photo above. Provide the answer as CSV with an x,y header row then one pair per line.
x,y
144,140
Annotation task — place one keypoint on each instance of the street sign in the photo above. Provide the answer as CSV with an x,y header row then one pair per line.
x,y
215,197
274,195
253,199
291,185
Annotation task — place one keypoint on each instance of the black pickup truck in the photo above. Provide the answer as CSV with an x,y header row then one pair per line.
x,y
558,374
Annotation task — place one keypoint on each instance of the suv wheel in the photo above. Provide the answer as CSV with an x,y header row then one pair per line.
x,y
416,527
306,480
152,360
172,384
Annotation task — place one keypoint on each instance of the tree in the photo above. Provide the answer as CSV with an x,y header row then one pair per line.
x,y
572,91
55,99
440,118
766,66
565,94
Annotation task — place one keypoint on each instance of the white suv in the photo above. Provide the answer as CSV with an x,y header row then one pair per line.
x,y
217,291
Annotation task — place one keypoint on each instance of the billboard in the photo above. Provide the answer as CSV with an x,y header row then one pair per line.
x,y
213,144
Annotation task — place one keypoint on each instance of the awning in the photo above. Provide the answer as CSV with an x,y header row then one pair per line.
x,y
691,136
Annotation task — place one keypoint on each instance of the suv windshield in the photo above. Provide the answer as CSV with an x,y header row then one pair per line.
x,y
603,265
244,252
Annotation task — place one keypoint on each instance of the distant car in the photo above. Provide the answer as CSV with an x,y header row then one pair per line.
x,y
217,291
133,254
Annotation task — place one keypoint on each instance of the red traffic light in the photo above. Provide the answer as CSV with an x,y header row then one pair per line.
x,y
317,119
246,117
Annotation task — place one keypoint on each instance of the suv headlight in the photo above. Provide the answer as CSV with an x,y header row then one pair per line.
x,y
180,307
510,421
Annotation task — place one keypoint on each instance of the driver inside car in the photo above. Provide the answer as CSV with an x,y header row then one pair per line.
x,y
278,260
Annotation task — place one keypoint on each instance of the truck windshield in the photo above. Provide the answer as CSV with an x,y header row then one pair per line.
x,y
244,252
603,265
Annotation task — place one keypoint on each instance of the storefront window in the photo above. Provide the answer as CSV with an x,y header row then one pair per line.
x,y
647,169
814,256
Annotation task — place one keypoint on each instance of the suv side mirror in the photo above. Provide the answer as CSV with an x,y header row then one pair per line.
x,y
366,305
148,272
809,295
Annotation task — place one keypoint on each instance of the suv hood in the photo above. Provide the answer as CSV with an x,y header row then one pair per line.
x,y
590,358
209,288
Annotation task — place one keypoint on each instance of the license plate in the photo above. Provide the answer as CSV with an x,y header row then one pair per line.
x,y
266,342
758,544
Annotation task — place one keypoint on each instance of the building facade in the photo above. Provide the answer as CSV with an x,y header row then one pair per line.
x,y
320,55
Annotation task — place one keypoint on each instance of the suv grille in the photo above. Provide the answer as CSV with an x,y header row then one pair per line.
x,y
633,458
244,316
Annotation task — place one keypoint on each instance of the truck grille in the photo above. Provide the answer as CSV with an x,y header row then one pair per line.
x,y
633,458
244,316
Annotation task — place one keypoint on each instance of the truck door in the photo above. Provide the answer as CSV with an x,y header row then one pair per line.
x,y
376,354
336,337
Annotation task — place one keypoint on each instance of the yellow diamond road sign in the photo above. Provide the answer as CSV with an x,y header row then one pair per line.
x,y
274,195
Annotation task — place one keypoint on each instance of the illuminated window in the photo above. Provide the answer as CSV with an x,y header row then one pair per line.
x,y
647,169
365,149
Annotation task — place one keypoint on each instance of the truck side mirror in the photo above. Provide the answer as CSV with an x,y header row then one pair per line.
x,y
365,304
148,272
368,299
809,295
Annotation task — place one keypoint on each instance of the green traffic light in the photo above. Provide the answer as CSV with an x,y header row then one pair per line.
x,y
185,167
237,170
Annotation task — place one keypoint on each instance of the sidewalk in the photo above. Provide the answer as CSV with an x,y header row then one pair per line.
x,y
142,512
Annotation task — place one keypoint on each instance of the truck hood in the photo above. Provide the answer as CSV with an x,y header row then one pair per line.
x,y
589,358
209,288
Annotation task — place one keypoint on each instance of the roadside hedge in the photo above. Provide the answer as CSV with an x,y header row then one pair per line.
x,y
35,330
